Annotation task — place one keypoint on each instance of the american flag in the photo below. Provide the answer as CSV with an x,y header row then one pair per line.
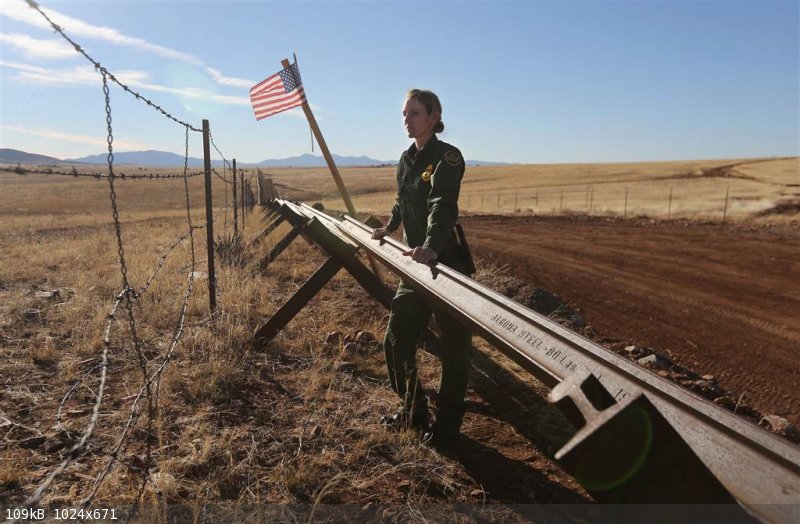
x,y
279,92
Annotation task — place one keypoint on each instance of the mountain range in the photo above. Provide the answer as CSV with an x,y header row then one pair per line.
x,y
165,159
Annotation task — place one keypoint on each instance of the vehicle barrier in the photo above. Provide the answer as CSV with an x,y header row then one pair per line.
x,y
640,438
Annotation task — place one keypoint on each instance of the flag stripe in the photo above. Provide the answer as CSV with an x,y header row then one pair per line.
x,y
265,110
277,108
265,97
283,105
266,86
270,96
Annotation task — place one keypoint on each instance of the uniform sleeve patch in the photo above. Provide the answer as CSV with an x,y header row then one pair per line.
x,y
452,158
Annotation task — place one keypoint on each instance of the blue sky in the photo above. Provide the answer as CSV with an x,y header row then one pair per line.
x,y
534,82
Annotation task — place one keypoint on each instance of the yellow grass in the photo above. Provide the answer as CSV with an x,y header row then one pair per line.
x,y
284,425
280,426
698,191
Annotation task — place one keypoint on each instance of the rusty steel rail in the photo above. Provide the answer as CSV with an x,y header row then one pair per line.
x,y
760,470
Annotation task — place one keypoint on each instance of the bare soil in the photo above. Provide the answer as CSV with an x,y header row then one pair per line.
x,y
723,300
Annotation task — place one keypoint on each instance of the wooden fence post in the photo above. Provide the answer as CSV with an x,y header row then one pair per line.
x,y
669,207
212,278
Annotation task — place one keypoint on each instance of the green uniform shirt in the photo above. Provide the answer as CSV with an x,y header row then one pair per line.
x,y
428,182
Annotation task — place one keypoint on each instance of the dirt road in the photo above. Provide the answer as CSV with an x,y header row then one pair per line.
x,y
719,300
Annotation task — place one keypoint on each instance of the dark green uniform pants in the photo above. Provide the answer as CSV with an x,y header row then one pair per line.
x,y
408,319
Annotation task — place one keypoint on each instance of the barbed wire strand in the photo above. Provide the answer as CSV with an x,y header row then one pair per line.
x,y
100,67
225,225
224,161
182,316
162,260
127,295
149,176
73,453
142,360
114,455
178,332
186,192
214,170
69,393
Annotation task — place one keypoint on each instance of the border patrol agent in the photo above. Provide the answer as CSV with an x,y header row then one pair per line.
x,y
428,180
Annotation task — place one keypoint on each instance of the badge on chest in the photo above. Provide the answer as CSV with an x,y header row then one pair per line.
x,y
426,175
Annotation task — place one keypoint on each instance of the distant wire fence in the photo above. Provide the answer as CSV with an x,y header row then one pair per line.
x,y
21,170
607,202
128,296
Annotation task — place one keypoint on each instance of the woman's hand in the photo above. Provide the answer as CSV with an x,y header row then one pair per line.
x,y
423,255
380,232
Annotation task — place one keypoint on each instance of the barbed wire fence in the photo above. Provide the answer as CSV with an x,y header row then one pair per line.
x,y
619,202
128,296
23,170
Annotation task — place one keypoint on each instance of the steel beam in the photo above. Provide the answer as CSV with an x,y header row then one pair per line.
x,y
282,244
759,469
323,232
267,230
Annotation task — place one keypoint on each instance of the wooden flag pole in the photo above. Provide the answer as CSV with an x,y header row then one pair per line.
x,y
331,165
325,152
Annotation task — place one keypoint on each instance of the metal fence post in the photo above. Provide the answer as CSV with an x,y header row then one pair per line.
x,y
212,278
244,206
235,203
725,209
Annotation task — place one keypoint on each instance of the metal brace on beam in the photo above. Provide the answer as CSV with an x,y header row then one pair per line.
x,y
342,253
267,230
627,452
296,302
282,244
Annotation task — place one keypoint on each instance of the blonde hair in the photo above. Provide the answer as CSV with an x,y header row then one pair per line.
x,y
430,102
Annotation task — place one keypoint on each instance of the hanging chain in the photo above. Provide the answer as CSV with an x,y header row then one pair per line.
x,y
114,209
188,206
130,293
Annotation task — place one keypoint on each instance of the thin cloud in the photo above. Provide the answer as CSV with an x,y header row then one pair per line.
x,y
37,47
20,12
86,75
227,80
76,75
54,134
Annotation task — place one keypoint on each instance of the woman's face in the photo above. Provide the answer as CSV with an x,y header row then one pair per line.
x,y
419,124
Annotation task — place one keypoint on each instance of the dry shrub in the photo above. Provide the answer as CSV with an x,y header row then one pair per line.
x,y
229,249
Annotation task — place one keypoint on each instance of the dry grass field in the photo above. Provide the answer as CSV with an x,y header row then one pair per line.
x,y
698,188
295,423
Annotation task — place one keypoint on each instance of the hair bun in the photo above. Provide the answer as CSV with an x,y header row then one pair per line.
x,y
439,127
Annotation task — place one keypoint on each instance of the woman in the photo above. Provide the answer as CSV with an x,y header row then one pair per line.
x,y
428,181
